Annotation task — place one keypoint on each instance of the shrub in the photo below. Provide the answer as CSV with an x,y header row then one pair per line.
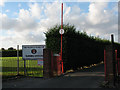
x,y
79,49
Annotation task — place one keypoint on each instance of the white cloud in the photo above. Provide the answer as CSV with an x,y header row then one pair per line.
x,y
97,10
98,21
35,10
104,21
2,2
52,10
67,11
6,23
52,13
23,22
7,10
28,28
19,5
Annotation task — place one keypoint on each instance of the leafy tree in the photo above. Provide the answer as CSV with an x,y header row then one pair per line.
x,y
11,48
2,48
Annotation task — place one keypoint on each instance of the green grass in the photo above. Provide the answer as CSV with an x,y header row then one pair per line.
x,y
9,67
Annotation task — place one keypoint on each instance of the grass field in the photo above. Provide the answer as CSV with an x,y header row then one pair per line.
x,y
9,67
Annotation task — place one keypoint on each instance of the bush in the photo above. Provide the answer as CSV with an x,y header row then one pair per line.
x,y
11,53
79,49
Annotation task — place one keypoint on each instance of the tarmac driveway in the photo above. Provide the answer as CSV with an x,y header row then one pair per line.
x,y
87,78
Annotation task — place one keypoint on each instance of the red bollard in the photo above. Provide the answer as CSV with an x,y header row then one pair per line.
x,y
57,65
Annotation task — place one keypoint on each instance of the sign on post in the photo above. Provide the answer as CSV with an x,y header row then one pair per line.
x,y
32,52
40,62
61,31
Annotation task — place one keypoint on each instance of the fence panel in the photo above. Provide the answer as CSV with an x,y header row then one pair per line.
x,y
33,69
9,67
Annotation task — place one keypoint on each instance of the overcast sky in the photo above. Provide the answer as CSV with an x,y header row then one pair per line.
x,y
24,23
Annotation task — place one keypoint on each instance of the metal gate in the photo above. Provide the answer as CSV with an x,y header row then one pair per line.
x,y
33,68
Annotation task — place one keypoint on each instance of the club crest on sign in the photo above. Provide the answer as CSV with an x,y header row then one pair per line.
x,y
33,51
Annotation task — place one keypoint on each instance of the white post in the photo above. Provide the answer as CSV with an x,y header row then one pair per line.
x,y
17,59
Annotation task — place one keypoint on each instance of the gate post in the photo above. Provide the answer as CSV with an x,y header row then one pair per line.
x,y
109,64
47,68
113,59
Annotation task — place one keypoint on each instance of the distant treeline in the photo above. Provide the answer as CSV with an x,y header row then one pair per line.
x,y
79,49
11,53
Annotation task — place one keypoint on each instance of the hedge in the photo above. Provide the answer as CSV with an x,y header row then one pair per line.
x,y
79,49
11,53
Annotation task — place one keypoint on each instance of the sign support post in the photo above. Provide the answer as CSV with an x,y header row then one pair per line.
x,y
24,67
17,59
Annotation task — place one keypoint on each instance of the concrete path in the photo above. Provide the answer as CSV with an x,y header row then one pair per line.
x,y
87,78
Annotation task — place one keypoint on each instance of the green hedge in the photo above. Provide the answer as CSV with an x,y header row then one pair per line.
x,y
11,53
79,49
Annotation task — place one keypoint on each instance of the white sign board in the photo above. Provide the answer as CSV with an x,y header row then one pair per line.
x,y
61,31
32,52
40,62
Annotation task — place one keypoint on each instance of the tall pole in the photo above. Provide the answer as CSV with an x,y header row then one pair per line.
x,y
113,53
61,34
